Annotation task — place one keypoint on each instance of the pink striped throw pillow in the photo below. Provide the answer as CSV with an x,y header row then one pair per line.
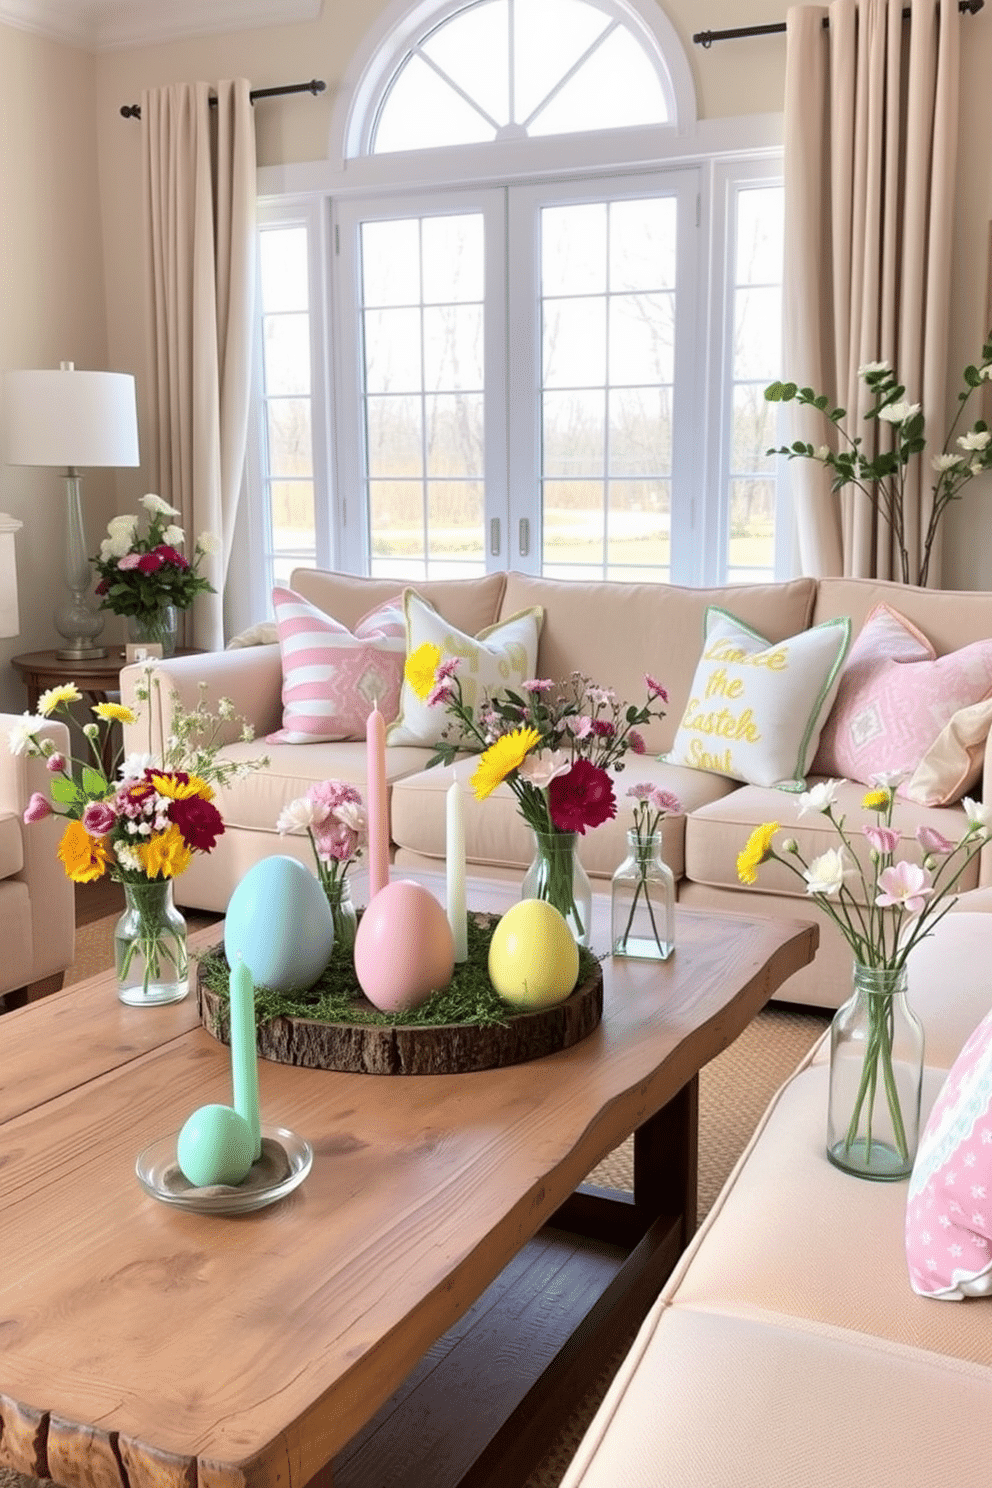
x,y
331,677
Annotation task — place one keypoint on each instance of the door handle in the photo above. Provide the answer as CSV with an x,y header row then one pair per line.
x,y
494,537
523,536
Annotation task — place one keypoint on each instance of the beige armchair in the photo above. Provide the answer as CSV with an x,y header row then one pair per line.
x,y
37,900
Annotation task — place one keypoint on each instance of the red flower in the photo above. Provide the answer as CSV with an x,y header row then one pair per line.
x,y
199,821
150,562
582,798
170,555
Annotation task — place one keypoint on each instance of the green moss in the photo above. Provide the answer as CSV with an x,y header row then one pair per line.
x,y
337,998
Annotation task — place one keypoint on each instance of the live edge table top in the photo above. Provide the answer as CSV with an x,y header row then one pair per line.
x,y
140,1344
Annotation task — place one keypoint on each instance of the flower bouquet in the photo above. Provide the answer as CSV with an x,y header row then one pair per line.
x,y
147,578
142,821
893,906
333,816
553,746
882,478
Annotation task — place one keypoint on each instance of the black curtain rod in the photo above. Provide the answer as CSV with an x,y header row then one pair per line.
x,y
314,86
707,38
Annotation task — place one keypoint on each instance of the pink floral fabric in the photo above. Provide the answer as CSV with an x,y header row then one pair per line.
x,y
332,678
949,1207
894,699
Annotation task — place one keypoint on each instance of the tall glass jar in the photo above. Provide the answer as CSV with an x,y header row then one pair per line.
x,y
557,876
642,910
876,1077
338,892
150,946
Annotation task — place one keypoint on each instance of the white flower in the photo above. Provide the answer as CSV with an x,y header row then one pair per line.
x,y
978,814
941,463
975,439
157,507
888,779
174,536
121,532
127,857
898,413
826,874
871,369
21,737
208,542
353,816
299,815
135,765
540,769
819,798
822,453
985,373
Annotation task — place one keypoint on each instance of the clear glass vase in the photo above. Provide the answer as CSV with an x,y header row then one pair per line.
x,y
158,628
557,876
150,946
876,1077
642,908
338,893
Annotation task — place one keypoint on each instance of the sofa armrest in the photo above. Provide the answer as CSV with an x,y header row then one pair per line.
x,y
251,678
51,894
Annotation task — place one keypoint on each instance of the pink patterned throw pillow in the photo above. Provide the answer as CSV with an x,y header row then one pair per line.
x,y
895,697
331,677
949,1207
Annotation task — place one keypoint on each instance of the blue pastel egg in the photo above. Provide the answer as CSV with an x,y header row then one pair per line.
x,y
278,919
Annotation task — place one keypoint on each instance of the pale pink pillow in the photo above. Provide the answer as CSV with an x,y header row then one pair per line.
x,y
895,698
949,1205
332,678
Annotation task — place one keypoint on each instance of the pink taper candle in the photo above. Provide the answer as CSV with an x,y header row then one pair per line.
x,y
376,801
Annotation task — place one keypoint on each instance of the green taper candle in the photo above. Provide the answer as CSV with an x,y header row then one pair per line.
x,y
244,1060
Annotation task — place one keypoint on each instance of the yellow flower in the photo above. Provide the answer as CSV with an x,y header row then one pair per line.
x,y
55,696
165,855
114,713
501,758
182,790
876,800
420,668
755,851
83,857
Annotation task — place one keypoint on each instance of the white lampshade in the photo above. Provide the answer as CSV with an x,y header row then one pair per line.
x,y
69,418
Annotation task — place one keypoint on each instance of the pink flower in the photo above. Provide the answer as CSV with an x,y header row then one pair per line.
x,y
933,841
883,839
603,728
663,800
129,560
98,818
581,798
536,684
440,692
904,886
37,808
447,668
655,689
636,742
332,793
55,764
580,727
641,791
541,768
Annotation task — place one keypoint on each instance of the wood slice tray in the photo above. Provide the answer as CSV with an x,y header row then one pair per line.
x,y
406,1049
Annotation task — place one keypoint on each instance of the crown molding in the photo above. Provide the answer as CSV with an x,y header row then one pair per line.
x,y
109,25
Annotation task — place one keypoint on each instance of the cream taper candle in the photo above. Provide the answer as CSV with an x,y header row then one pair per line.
x,y
455,859
377,801
244,1058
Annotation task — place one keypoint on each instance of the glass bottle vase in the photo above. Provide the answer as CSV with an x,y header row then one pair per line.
x,y
642,902
158,628
876,1077
557,876
338,892
150,946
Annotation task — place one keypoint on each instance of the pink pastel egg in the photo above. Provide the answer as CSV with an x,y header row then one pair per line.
x,y
404,949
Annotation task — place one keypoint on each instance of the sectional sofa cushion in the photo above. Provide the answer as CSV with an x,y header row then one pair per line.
x,y
499,656
756,707
332,676
896,709
949,1205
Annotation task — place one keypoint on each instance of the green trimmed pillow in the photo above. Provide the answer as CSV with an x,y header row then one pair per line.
x,y
756,707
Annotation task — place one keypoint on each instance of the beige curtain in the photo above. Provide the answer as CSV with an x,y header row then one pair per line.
x,y
199,183
871,119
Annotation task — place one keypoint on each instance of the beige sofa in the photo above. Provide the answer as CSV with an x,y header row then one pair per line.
x,y
788,1347
37,902
614,633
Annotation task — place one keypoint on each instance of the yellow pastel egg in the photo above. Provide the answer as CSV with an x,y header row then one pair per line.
x,y
533,957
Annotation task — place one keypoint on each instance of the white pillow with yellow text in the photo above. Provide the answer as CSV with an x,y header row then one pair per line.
x,y
756,707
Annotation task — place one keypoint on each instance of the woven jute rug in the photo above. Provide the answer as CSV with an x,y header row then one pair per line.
x,y
734,1090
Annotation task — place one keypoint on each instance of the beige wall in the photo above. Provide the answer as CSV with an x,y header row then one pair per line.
x,y
52,304
65,128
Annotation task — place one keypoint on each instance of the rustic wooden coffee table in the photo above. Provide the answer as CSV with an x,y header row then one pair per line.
x,y
422,1309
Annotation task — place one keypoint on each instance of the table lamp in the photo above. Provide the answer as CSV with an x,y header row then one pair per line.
x,y
68,419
